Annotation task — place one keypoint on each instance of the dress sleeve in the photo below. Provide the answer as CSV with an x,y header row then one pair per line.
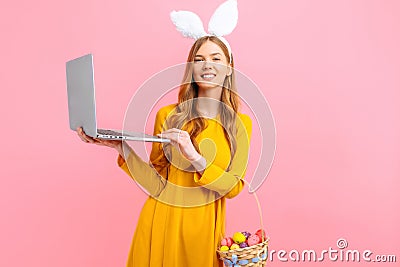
x,y
229,183
151,176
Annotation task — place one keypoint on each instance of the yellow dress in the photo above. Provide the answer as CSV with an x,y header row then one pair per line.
x,y
183,220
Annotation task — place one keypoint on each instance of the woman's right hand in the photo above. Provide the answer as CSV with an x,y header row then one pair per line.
x,y
116,144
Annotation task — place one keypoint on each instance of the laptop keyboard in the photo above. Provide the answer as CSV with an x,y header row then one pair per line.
x,y
129,134
108,132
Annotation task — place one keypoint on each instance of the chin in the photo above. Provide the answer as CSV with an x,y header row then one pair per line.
x,y
207,85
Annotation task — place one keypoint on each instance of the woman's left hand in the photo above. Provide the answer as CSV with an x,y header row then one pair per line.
x,y
181,140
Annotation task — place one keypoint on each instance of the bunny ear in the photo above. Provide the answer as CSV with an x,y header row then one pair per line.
x,y
224,19
188,23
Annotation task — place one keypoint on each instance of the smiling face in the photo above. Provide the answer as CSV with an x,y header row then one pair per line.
x,y
210,66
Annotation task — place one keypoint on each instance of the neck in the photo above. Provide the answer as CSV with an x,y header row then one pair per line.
x,y
208,102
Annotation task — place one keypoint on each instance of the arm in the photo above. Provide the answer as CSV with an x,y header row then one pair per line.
x,y
151,176
227,183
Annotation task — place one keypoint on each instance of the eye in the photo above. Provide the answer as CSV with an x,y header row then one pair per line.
x,y
216,59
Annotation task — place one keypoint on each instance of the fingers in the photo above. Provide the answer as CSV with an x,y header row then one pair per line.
x,y
181,140
81,134
102,142
175,135
174,132
85,138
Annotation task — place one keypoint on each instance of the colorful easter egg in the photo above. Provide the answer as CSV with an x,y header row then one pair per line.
x,y
253,240
238,237
246,234
227,241
243,245
224,248
260,234
234,246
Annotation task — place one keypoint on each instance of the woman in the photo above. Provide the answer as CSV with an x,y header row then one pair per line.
x,y
183,220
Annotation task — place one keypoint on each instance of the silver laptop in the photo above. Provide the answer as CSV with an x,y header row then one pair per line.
x,y
82,104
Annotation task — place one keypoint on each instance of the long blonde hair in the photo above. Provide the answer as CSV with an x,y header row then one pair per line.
x,y
186,115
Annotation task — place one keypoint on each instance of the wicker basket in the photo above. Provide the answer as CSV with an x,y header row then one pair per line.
x,y
255,255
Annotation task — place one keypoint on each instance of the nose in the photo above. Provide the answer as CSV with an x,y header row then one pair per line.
x,y
207,64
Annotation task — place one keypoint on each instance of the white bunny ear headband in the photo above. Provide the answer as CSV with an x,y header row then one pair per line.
x,y
222,22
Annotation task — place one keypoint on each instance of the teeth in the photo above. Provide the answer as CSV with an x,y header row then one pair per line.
x,y
208,76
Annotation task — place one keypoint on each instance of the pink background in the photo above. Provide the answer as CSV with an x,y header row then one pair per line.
x,y
329,70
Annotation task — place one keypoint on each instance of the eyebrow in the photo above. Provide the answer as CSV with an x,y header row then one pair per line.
x,y
213,54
